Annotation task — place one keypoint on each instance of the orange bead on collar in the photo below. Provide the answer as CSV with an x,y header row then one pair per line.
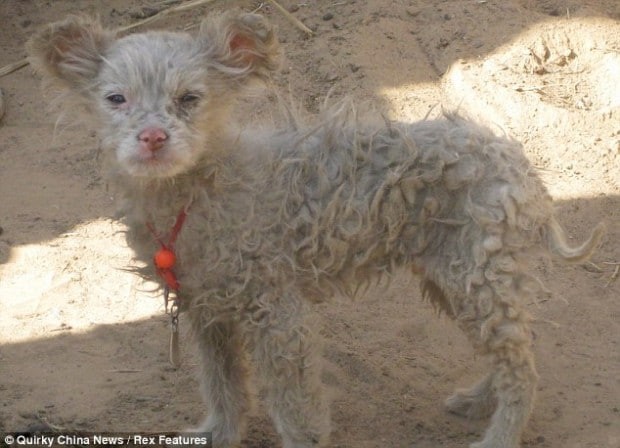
x,y
164,259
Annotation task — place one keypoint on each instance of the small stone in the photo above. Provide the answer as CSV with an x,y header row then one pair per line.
x,y
144,13
413,12
443,42
328,16
331,77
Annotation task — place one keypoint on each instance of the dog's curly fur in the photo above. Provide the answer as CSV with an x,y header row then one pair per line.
x,y
280,218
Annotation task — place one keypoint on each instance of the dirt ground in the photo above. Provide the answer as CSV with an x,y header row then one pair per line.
x,y
84,342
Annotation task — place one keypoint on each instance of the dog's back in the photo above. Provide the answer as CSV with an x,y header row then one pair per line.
x,y
356,198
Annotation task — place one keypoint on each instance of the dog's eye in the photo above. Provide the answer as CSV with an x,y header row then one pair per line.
x,y
189,98
116,98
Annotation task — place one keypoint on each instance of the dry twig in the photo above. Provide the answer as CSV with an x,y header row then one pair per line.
x,y
13,67
592,267
614,275
291,18
165,12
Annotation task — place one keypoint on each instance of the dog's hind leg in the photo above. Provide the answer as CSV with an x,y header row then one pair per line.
x,y
288,358
514,380
491,316
223,382
505,336
479,400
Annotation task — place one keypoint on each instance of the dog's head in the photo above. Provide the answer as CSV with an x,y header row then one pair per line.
x,y
156,96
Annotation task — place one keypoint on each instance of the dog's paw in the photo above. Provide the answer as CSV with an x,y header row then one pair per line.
x,y
493,444
469,405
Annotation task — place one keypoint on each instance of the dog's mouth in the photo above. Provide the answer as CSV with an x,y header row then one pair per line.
x,y
154,164
154,153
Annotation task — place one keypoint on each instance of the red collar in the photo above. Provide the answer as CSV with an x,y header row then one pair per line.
x,y
165,258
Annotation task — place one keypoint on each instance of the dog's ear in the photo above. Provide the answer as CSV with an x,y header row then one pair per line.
x,y
69,53
240,45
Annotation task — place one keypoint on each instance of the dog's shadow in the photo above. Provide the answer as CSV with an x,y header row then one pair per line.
x,y
116,377
389,363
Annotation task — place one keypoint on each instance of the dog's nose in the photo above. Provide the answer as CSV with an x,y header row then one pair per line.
x,y
153,138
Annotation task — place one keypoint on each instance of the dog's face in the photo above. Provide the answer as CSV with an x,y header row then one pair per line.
x,y
151,92
156,96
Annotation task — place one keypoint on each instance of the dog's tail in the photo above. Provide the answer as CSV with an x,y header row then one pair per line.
x,y
556,241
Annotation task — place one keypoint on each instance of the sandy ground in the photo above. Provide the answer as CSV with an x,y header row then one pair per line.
x,y
84,342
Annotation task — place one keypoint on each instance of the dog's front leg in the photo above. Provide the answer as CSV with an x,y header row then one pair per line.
x,y
288,359
224,379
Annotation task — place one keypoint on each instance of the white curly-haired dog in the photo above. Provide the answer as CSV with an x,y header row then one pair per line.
x,y
266,221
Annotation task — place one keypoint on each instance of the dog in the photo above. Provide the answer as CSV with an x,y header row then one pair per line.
x,y
262,222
